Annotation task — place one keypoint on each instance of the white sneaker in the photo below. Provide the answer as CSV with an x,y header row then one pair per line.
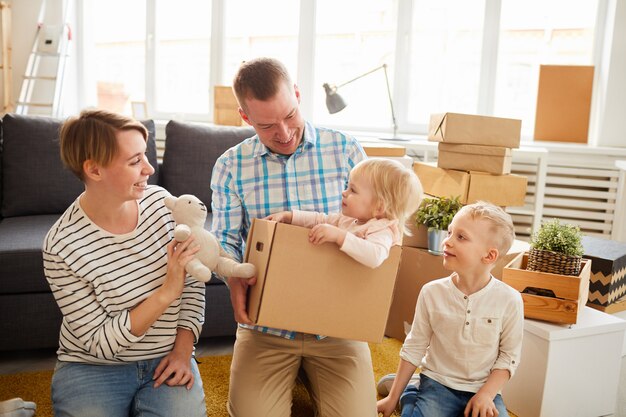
x,y
384,384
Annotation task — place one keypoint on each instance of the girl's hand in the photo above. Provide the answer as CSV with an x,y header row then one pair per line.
x,y
322,233
480,405
281,217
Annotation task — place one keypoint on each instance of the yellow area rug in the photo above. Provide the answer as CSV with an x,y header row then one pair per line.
x,y
215,370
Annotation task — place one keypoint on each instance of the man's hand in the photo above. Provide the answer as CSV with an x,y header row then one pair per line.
x,y
321,233
281,217
238,297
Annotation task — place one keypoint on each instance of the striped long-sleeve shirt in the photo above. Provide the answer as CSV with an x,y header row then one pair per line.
x,y
249,181
97,277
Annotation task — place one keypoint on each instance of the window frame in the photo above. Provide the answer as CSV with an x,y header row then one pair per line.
x,y
306,57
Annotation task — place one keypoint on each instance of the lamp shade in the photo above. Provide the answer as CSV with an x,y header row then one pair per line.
x,y
334,102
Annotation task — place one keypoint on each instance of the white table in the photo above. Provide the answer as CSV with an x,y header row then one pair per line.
x,y
568,370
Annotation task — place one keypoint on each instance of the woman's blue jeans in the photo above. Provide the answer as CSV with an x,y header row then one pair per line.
x,y
86,390
432,399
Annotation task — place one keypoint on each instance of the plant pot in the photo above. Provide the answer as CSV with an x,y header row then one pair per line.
x,y
553,262
435,241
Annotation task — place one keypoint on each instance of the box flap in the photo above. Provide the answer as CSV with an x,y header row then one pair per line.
x,y
442,182
258,248
501,190
435,126
379,149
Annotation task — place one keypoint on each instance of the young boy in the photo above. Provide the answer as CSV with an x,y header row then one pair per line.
x,y
467,332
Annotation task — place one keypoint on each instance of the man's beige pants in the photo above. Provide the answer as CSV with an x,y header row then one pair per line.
x,y
264,370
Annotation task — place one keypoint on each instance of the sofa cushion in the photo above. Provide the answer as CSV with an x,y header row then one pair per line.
x,y
21,261
34,180
191,151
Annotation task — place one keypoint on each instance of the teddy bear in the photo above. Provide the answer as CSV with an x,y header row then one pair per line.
x,y
190,213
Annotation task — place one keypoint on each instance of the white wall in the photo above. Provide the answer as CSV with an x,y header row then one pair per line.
x,y
611,129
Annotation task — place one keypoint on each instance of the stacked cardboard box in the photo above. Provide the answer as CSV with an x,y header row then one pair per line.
x,y
474,159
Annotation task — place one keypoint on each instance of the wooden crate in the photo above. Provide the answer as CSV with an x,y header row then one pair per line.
x,y
225,107
570,292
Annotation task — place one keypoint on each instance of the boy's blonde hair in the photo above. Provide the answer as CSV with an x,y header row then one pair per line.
x,y
501,228
396,187
91,136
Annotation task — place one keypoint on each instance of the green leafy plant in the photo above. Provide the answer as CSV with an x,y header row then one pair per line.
x,y
558,237
437,213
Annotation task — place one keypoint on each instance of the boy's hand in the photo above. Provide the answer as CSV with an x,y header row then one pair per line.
x,y
281,217
480,405
322,233
386,406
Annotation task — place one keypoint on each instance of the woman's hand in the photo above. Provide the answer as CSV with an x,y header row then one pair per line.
x,y
386,406
178,255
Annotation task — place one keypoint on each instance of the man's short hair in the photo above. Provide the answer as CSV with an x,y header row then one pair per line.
x,y
260,78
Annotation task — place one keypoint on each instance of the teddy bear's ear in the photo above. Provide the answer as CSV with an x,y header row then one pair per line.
x,y
170,202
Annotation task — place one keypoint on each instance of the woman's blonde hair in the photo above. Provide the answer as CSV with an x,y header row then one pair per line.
x,y
91,136
396,187
501,227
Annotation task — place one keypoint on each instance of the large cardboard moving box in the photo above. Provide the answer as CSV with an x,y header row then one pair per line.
x,y
316,289
417,267
474,129
501,190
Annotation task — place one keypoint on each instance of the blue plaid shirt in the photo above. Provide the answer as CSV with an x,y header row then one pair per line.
x,y
249,181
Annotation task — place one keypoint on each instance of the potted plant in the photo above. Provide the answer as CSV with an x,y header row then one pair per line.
x,y
556,248
436,214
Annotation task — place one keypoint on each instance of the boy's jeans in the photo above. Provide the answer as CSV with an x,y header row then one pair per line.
x,y
433,399
80,389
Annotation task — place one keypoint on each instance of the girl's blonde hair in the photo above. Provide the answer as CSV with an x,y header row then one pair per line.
x,y
396,187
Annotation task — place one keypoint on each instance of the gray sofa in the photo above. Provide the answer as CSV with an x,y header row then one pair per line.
x,y
35,189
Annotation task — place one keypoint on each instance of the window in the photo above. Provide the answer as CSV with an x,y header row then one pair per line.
x,y
255,28
534,33
472,56
352,38
445,58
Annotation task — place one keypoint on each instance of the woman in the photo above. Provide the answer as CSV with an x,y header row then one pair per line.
x,y
130,315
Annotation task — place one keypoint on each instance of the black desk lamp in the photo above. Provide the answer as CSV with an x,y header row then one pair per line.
x,y
335,103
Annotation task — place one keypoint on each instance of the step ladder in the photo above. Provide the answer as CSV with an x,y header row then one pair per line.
x,y
5,66
41,92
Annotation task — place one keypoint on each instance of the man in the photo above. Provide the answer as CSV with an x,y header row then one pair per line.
x,y
289,164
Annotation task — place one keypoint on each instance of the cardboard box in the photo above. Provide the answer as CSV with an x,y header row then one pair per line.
x,y
225,107
570,292
419,235
417,267
474,129
316,289
564,103
608,273
491,159
383,149
501,190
